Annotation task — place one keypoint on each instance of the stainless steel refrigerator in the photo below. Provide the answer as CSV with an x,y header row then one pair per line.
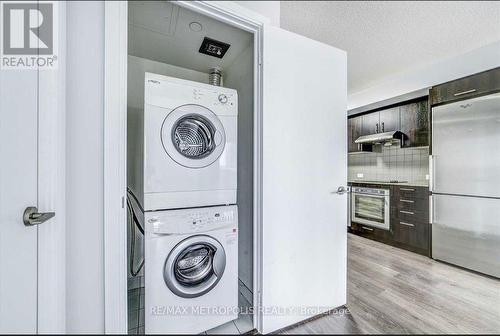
x,y
465,172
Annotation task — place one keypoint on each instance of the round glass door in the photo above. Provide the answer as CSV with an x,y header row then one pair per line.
x,y
193,136
194,266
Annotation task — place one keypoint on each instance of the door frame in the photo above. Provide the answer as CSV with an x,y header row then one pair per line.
x,y
115,156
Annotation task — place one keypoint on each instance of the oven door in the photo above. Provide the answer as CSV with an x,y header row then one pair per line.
x,y
372,210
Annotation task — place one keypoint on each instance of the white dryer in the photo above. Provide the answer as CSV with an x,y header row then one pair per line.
x,y
186,142
191,269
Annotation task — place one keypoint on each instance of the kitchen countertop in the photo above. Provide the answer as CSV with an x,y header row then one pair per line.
x,y
410,184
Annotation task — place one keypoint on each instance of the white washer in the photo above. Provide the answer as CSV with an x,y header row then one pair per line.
x,y
186,138
191,269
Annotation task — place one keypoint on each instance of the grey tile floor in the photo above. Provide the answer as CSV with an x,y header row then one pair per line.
x,y
136,310
242,325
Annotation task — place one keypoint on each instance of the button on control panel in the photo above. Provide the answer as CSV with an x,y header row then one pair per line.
x,y
203,220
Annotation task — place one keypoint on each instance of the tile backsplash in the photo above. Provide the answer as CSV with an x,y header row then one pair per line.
x,y
390,163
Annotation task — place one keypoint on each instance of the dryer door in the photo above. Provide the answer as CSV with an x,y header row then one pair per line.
x,y
194,266
193,136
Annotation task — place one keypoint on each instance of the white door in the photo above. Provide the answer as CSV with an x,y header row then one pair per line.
x,y
304,162
18,190
32,278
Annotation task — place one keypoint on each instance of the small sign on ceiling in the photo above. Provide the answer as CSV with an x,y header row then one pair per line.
x,y
213,47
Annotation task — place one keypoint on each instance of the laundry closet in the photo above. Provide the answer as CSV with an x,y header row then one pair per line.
x,y
190,171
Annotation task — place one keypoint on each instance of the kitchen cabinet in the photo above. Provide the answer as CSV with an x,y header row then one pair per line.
x,y
410,218
354,131
389,120
373,233
385,120
370,123
468,87
409,222
410,118
415,123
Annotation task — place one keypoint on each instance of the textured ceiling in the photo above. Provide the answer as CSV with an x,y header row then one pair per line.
x,y
383,38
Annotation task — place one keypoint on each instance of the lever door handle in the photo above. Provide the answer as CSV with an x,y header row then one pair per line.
x,y
341,190
32,217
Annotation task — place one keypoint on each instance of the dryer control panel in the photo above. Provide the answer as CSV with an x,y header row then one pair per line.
x,y
214,97
169,92
186,221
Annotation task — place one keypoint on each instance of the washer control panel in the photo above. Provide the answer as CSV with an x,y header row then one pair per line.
x,y
191,220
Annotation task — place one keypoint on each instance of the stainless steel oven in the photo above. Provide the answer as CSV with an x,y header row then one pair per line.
x,y
371,206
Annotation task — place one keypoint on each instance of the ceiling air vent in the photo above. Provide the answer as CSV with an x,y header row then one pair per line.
x,y
213,47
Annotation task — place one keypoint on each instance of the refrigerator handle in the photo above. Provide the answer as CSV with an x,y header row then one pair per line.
x,y
432,168
431,209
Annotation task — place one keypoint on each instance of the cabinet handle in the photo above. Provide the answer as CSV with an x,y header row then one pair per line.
x,y
406,189
383,127
376,128
464,92
407,212
407,201
367,228
407,224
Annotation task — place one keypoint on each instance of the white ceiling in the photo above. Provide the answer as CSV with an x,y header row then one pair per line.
x,y
383,38
159,31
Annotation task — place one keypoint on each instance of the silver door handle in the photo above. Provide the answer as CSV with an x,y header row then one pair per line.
x,y
31,216
341,190
464,92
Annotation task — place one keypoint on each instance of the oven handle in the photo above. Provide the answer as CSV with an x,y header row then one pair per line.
x,y
367,194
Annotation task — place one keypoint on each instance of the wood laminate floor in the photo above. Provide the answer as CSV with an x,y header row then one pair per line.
x,y
395,291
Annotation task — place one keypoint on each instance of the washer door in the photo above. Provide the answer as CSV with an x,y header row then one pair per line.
x,y
193,136
194,266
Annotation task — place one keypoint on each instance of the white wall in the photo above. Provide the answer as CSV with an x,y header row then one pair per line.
x,y
481,59
84,180
239,76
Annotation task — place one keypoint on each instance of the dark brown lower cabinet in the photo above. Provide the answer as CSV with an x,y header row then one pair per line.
x,y
413,235
410,228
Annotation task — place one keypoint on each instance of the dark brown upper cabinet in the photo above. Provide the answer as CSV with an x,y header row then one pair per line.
x,y
411,118
371,123
468,87
354,131
389,120
415,123
381,121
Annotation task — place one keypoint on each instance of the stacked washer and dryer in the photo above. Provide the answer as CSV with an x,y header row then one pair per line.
x,y
184,177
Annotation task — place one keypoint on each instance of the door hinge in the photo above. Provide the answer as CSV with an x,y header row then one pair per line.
x,y
123,202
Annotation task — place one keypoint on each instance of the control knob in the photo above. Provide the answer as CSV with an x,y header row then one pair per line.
x,y
222,98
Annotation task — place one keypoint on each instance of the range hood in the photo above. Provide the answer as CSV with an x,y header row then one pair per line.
x,y
378,138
